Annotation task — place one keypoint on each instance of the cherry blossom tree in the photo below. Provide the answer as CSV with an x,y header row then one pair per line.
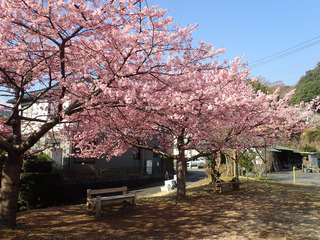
x,y
123,74
70,53
201,106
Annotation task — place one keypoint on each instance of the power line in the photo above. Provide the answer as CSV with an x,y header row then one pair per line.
x,y
286,52
286,49
290,70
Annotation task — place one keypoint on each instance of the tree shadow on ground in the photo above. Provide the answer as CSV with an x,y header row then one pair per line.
x,y
256,211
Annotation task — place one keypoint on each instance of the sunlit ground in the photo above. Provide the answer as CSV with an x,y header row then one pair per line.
x,y
257,211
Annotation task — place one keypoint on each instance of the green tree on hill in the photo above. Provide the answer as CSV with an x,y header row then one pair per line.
x,y
308,86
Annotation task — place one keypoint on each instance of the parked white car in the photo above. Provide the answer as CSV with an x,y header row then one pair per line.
x,y
199,163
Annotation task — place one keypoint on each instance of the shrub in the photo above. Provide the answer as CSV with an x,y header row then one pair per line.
x,y
38,190
39,163
39,185
309,149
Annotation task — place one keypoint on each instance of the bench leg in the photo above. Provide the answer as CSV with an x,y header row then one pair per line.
x,y
130,202
98,207
90,207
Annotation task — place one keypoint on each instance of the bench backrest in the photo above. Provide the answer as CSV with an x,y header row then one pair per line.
x,y
91,192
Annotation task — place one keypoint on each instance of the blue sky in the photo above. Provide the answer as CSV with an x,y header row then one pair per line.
x,y
257,28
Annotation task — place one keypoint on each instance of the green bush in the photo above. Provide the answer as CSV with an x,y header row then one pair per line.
x,y
39,185
37,166
309,149
40,163
38,190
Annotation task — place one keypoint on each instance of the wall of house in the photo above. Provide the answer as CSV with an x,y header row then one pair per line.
x,y
130,163
313,159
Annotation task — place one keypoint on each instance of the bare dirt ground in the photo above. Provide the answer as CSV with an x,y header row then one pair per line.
x,y
257,211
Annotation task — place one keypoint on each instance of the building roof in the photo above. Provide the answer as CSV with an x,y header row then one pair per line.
x,y
281,148
273,149
31,95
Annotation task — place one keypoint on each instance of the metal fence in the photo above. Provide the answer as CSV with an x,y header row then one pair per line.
x,y
87,173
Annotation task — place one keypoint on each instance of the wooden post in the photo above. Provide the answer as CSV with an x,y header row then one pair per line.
x,y
89,205
134,199
98,207
125,190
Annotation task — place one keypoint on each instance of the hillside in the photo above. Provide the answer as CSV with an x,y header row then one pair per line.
x,y
308,86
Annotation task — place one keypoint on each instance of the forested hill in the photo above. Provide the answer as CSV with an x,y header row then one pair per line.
x,y
308,86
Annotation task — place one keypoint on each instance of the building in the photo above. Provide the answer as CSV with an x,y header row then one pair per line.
x,y
136,162
280,158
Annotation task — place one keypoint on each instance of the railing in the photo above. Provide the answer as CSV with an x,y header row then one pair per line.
x,y
86,173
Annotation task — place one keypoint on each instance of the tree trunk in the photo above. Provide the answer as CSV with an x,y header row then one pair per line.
x,y
181,168
181,177
235,159
236,173
214,167
10,185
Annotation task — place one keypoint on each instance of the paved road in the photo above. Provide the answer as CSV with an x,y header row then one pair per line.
x,y
301,177
193,175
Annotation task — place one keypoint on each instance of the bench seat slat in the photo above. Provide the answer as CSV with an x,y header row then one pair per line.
x,y
113,197
225,183
107,190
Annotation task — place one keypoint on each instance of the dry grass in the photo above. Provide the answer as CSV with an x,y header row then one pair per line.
x,y
257,211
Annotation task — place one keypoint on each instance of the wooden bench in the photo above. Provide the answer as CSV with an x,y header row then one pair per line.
x,y
218,185
102,197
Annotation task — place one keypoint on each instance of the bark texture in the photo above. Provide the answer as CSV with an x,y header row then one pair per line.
x,y
181,168
181,178
10,184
